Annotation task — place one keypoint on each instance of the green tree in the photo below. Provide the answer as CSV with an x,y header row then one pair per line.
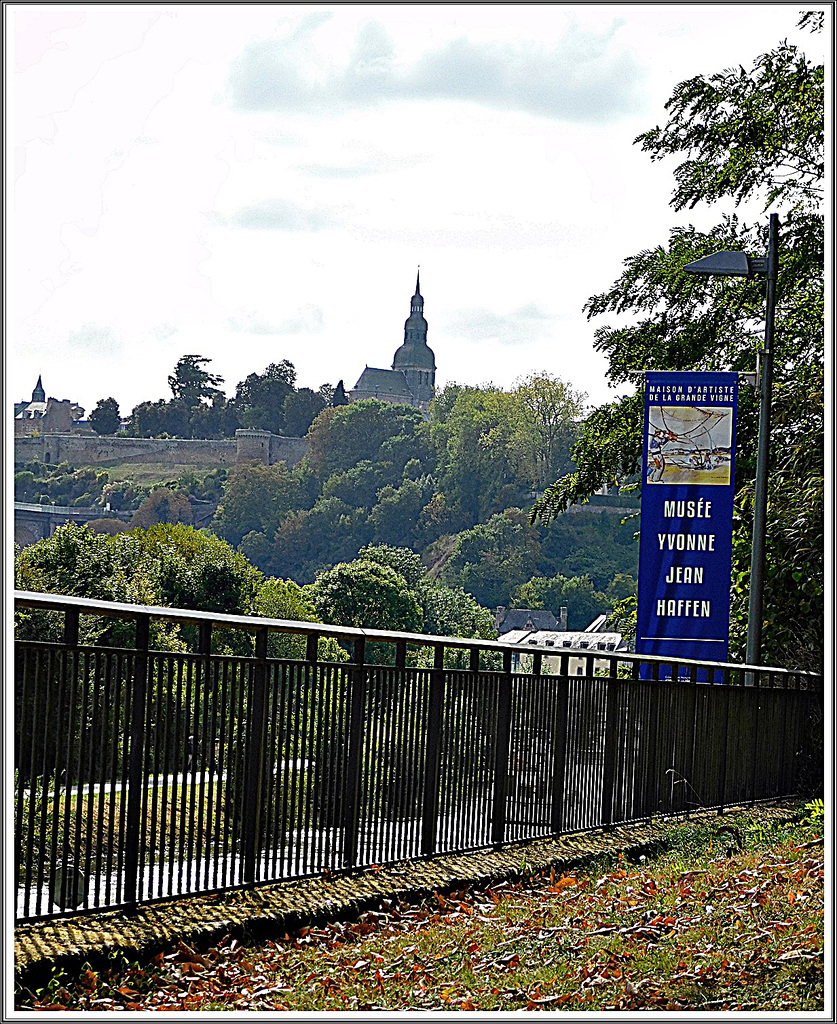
x,y
342,436
309,541
162,506
105,417
492,558
260,397
395,516
299,411
577,594
153,419
747,132
478,439
447,611
62,484
747,135
367,594
550,411
197,570
494,447
218,419
256,497
359,485
191,384
284,599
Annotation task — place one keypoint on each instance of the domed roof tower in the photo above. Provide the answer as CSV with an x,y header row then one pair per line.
x,y
415,358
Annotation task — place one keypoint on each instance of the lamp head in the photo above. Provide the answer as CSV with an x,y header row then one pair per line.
x,y
727,264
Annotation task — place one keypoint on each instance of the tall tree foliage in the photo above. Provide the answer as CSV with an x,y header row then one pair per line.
x,y
493,447
747,135
260,397
191,383
105,417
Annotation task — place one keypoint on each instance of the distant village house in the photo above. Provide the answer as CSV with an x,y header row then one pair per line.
x,y
42,415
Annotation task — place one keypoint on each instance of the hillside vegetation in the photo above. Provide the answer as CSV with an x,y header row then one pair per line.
x,y
450,491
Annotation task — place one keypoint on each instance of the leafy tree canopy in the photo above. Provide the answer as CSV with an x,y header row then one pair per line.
x,y
300,409
256,497
162,506
260,397
105,417
447,611
191,383
367,594
284,599
342,436
577,594
746,133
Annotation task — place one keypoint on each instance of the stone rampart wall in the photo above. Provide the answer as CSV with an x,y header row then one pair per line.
x,y
81,450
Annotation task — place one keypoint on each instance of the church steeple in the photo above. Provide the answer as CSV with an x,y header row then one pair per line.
x,y
39,395
417,302
415,358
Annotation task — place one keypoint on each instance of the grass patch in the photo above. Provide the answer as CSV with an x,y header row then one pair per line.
x,y
729,916
151,473
95,819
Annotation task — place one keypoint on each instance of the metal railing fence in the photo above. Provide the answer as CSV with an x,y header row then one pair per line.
x,y
204,763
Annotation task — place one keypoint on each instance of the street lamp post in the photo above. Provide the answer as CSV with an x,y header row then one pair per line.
x,y
738,264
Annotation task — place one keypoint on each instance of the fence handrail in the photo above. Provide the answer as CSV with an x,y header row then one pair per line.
x,y
115,609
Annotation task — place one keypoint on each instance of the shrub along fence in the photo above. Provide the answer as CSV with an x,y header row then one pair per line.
x,y
144,774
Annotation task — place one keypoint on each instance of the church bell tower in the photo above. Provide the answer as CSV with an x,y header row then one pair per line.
x,y
415,358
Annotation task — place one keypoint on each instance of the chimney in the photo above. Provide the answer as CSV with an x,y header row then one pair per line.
x,y
562,618
499,615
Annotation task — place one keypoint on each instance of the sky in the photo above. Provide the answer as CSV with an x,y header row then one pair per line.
x,y
259,183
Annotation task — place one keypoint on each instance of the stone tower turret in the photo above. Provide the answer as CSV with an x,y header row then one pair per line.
x,y
39,395
415,358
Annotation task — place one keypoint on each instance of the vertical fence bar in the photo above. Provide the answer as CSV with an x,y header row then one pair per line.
x,y
254,758
501,752
71,627
556,822
611,739
206,817
430,796
757,701
725,699
655,773
133,828
351,783
691,722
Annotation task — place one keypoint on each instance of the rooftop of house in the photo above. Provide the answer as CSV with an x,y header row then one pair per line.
x,y
571,638
389,382
527,618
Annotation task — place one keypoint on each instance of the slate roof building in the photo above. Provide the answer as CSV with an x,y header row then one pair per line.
x,y
412,379
526,618
46,415
575,642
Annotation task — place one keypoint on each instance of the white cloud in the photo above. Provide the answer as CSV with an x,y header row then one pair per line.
x,y
586,76
522,326
95,338
280,215
308,320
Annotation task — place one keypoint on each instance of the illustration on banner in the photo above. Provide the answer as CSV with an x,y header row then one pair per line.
x,y
689,445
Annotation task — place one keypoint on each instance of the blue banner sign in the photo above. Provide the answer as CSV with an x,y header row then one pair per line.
x,y
685,549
